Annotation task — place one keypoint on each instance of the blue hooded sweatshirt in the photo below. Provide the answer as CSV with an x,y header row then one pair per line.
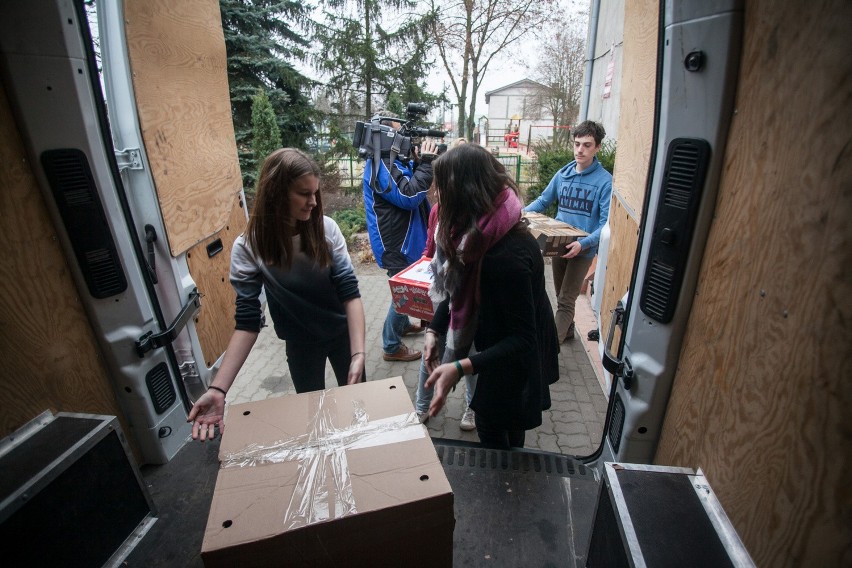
x,y
583,200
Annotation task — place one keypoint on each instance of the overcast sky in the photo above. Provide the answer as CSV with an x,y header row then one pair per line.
x,y
515,63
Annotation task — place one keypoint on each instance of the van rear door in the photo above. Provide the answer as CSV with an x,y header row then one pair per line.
x,y
143,186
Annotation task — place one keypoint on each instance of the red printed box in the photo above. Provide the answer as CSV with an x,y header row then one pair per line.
x,y
410,290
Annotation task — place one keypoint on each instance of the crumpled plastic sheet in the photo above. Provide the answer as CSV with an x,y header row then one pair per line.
x,y
321,455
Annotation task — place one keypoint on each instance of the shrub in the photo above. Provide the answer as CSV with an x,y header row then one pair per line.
x,y
551,158
606,155
351,220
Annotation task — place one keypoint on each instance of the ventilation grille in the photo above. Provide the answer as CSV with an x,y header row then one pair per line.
x,y
160,388
516,461
105,274
671,238
658,289
680,180
76,198
616,424
71,177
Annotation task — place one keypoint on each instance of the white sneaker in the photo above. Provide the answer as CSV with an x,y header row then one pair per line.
x,y
423,417
468,421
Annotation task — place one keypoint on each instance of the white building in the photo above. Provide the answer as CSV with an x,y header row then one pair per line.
x,y
518,105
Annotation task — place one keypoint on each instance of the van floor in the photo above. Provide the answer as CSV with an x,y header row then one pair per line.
x,y
518,508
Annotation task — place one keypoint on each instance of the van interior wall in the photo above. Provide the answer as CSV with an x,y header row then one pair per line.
x,y
51,359
760,399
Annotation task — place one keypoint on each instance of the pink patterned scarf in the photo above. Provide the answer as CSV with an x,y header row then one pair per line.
x,y
460,279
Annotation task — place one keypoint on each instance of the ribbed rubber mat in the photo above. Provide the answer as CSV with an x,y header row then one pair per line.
x,y
519,507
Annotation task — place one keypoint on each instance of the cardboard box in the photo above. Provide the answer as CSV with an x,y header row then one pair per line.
x,y
342,477
552,235
410,290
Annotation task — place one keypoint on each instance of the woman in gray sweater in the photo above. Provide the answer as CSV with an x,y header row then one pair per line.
x,y
300,258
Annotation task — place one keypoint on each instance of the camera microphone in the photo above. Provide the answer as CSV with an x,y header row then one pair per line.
x,y
436,133
416,109
426,132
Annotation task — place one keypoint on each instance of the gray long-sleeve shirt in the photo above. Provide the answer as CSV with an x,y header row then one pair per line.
x,y
305,302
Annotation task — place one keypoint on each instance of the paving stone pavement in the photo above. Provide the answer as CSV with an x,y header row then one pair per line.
x,y
573,426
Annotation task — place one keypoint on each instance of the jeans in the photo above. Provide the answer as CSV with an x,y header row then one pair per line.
x,y
423,397
307,363
395,325
568,277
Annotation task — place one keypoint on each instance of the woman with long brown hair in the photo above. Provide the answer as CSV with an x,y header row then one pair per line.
x,y
489,279
299,257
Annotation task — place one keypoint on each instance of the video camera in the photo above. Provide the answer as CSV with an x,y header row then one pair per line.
x,y
374,139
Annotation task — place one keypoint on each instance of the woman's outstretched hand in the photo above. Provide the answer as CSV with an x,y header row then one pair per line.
x,y
442,379
207,413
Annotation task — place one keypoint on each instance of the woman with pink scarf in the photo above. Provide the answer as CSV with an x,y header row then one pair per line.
x,y
489,286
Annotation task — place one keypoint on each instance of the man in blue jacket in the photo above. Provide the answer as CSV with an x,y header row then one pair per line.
x,y
582,190
397,213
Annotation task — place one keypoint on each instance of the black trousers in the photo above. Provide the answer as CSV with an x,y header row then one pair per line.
x,y
497,437
307,363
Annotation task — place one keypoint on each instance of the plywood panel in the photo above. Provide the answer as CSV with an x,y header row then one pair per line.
x,y
179,67
624,235
636,118
51,360
215,321
635,135
761,398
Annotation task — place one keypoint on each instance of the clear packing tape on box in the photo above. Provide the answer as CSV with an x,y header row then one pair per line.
x,y
324,488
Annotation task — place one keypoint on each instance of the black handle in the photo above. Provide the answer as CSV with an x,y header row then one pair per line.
x,y
151,238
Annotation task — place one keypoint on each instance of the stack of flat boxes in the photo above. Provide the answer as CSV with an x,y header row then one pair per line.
x,y
552,235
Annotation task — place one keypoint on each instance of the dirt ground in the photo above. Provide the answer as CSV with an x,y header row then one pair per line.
x,y
335,200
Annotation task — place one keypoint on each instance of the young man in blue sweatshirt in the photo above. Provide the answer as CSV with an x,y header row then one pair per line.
x,y
582,190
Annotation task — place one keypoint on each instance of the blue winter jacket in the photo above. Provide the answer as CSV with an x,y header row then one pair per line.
x,y
583,200
397,211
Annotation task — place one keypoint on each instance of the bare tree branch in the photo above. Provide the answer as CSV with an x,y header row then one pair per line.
x,y
470,34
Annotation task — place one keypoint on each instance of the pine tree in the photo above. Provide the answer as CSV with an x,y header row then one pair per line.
x,y
364,62
263,40
266,136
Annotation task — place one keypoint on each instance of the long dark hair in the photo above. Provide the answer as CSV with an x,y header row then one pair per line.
x,y
269,224
468,178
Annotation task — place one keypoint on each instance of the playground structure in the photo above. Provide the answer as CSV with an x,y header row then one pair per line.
x,y
513,141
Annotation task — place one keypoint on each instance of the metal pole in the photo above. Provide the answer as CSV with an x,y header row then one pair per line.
x,y
590,59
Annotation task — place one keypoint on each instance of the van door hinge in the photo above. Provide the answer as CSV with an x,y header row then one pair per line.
x,y
129,159
615,366
151,341
189,371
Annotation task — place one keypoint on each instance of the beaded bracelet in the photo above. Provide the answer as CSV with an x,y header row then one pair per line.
x,y
224,392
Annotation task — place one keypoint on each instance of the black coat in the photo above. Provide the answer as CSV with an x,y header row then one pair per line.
x,y
515,336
